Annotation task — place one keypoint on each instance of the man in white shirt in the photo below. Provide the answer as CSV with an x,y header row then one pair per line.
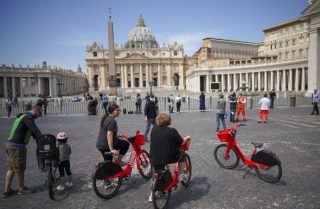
x,y
264,108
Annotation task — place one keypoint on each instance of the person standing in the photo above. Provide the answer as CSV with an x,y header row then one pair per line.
x,y
138,104
240,107
21,130
170,104
150,114
233,106
202,101
64,157
178,103
272,95
15,101
8,103
315,100
45,106
264,108
221,109
105,101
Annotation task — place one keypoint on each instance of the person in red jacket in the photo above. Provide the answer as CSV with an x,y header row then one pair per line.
x,y
241,107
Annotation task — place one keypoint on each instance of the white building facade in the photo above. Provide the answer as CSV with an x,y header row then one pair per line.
x,y
138,62
44,81
287,60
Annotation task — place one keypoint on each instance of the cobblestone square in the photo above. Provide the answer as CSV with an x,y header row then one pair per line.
x,y
292,133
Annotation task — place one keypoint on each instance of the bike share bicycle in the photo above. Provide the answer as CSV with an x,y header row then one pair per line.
x,y
108,175
48,159
164,182
265,162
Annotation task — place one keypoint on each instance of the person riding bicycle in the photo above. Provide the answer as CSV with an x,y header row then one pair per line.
x,y
108,140
23,127
165,144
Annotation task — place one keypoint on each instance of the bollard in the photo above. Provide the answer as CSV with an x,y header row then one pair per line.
x,y
293,101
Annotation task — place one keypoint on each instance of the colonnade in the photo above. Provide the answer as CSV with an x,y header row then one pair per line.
x,y
279,80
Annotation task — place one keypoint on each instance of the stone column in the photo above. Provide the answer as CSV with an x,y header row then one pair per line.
x,y
222,83
125,76
259,81
159,75
247,81
265,84
303,79
5,88
290,80
252,81
278,81
169,75
234,82
132,79
229,82
21,86
181,84
208,83
13,85
147,75
140,77
39,85
296,82
284,80
272,79
121,76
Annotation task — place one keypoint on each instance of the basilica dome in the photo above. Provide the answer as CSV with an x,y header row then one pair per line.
x,y
141,37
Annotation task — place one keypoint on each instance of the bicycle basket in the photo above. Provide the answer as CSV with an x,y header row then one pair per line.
x,y
140,139
186,146
46,146
225,135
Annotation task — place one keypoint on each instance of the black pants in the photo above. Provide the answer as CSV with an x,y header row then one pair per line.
x,y
105,105
178,106
182,158
315,108
119,144
64,165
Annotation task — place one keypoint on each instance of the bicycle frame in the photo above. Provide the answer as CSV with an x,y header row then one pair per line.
x,y
232,144
134,157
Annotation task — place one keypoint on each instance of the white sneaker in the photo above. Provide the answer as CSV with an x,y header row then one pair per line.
x,y
69,184
150,197
60,188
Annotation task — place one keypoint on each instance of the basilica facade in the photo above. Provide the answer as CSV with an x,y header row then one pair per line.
x,y
288,60
140,62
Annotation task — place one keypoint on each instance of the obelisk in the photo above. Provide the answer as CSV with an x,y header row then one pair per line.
x,y
112,65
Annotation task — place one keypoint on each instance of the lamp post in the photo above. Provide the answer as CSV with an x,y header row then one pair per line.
x,y
150,84
59,83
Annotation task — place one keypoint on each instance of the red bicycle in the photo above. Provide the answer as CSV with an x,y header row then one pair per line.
x,y
265,162
163,182
108,175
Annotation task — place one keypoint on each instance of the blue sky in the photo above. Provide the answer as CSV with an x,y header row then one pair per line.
x,y
58,31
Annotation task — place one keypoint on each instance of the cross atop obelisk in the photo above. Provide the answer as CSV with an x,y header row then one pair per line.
x,y
112,65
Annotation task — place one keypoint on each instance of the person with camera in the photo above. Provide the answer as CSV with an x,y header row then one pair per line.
x,y
23,127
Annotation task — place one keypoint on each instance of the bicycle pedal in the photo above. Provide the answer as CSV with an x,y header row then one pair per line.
x,y
175,188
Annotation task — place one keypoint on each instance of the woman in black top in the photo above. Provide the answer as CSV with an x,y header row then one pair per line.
x,y
165,144
108,140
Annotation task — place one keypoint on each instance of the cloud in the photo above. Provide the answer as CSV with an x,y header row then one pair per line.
x,y
191,41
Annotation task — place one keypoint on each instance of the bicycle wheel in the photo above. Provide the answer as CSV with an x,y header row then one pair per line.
x,y
160,199
106,189
186,173
49,180
231,162
145,165
271,174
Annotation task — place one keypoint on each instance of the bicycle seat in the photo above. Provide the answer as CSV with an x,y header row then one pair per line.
x,y
257,145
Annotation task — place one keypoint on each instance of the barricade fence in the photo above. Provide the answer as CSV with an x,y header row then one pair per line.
x,y
63,107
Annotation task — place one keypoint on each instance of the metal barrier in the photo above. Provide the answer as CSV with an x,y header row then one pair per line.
x,y
190,104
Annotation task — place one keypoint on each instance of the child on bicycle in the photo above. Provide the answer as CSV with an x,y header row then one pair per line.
x,y
64,157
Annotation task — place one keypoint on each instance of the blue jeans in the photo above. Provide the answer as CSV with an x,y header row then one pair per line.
x,y
218,118
149,122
